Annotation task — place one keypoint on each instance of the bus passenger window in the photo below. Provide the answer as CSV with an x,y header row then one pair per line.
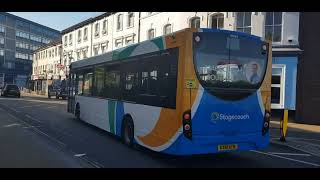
x,y
87,88
98,81
112,84
79,84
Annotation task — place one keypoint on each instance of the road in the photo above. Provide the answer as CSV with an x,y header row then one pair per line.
x,y
62,141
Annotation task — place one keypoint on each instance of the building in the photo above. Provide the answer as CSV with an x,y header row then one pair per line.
x,y
18,39
308,79
47,66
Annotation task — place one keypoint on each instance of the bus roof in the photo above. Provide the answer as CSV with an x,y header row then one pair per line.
x,y
114,55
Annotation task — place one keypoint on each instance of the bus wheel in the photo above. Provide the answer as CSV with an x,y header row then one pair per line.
x,y
127,132
77,112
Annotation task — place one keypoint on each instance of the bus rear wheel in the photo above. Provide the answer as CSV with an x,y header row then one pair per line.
x,y
127,134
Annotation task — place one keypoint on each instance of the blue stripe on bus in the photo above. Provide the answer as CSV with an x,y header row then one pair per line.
x,y
212,132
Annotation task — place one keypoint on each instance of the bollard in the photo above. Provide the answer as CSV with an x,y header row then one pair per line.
x,y
284,125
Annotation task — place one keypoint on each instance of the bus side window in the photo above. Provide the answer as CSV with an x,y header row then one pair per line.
x,y
79,84
88,80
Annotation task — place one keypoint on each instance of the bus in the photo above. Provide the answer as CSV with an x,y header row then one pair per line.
x,y
194,91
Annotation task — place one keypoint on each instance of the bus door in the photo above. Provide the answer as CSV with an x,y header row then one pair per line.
x,y
71,92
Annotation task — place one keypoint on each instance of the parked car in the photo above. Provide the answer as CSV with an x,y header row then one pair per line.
x,y
61,92
52,91
10,90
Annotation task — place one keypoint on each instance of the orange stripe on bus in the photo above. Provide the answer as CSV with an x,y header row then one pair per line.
x,y
170,120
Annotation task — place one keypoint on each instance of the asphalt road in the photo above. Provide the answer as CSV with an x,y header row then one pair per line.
x,y
46,135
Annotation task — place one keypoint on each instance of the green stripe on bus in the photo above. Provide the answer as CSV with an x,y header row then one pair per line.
x,y
111,109
158,42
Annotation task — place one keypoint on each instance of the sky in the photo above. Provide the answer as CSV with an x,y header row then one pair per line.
x,y
56,20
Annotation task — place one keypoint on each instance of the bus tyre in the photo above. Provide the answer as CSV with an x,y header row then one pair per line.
x,y
77,112
127,133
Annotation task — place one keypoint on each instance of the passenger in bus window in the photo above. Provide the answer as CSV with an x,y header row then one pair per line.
x,y
254,79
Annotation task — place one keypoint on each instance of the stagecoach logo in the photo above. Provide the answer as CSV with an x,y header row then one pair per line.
x,y
215,116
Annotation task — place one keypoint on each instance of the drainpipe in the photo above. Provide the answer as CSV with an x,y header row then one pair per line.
x,y
139,24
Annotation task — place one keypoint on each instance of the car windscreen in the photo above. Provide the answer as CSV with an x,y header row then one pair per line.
x,y
12,87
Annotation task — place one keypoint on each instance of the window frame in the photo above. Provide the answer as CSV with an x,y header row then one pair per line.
x,y
243,26
165,29
273,25
194,19
119,25
217,16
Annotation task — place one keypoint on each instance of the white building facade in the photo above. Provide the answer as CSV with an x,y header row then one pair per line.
x,y
47,66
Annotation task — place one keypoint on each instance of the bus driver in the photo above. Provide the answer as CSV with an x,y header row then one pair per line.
x,y
254,79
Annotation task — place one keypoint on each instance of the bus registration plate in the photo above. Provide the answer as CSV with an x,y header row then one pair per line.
x,y
226,147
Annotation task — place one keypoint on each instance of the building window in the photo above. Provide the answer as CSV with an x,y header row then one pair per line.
x,y
96,29
22,45
78,55
70,39
2,29
85,34
1,52
217,21
273,26
1,40
167,29
129,40
95,50
151,34
195,22
22,55
22,34
130,19
65,40
30,57
244,22
118,43
278,86
104,47
84,53
105,27
79,36
35,38
45,40
119,22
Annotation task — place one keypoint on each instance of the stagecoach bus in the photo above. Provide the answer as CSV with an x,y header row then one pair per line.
x,y
195,91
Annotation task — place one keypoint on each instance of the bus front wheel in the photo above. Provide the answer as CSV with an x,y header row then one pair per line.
x,y
128,132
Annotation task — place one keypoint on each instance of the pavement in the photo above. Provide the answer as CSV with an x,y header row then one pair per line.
x,y
38,132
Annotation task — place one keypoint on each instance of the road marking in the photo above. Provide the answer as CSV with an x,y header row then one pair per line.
x,y
32,118
27,127
79,155
308,139
290,154
290,159
297,148
30,106
11,125
50,107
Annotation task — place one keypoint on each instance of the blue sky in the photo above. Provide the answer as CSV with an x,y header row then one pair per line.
x,y
57,20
